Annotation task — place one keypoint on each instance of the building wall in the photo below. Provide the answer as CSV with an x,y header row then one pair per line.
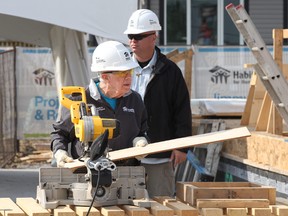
x,y
267,15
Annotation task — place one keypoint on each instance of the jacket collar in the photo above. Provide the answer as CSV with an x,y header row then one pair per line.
x,y
159,62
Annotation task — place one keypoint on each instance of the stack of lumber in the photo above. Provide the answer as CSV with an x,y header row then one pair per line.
x,y
230,198
193,199
37,156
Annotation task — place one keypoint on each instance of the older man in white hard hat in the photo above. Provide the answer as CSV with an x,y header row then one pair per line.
x,y
109,91
163,89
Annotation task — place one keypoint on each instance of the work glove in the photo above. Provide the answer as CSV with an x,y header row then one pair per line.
x,y
139,142
62,157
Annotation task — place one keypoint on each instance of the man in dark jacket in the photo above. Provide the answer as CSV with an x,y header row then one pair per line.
x,y
110,93
161,84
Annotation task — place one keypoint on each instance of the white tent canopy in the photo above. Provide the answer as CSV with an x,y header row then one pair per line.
x,y
22,19
61,25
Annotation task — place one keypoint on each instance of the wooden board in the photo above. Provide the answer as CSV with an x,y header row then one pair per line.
x,y
171,207
190,192
31,207
232,203
169,145
9,208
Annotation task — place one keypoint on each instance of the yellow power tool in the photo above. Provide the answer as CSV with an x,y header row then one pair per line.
x,y
102,183
88,124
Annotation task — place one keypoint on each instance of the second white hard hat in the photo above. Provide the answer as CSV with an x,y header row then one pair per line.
x,y
111,56
142,20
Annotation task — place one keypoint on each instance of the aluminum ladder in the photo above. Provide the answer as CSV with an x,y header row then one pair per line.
x,y
266,68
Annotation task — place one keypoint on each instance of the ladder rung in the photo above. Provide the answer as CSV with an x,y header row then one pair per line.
x,y
265,78
281,105
255,49
239,21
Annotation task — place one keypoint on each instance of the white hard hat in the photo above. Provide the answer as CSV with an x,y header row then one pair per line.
x,y
112,56
142,20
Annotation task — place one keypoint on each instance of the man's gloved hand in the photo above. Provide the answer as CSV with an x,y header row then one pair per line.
x,y
140,142
62,157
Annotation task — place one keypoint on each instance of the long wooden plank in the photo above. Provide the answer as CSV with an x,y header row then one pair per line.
x,y
112,211
189,192
31,207
191,141
223,193
64,211
237,211
182,209
82,211
212,212
9,208
232,203
135,210
261,211
158,209
280,210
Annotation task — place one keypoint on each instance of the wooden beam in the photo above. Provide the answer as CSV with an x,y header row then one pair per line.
x,y
9,208
172,53
261,211
280,210
187,55
31,207
262,121
64,211
158,209
112,211
135,210
188,70
249,101
232,203
212,212
236,212
179,57
180,143
83,210
229,193
278,57
182,209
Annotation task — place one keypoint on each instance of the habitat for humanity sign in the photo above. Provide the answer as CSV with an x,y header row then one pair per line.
x,y
219,72
37,100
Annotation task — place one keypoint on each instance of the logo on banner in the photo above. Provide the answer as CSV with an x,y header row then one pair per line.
x,y
43,77
219,75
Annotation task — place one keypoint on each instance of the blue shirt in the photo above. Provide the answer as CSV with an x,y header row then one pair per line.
x,y
110,101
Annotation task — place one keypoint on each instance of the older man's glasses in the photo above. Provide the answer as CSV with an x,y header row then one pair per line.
x,y
139,36
120,73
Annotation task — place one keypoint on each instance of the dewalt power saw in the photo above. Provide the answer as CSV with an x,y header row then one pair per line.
x,y
101,183
88,125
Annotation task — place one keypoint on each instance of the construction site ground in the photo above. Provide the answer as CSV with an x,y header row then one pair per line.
x,y
19,177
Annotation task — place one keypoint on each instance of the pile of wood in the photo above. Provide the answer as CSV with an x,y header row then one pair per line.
x,y
31,153
231,198
37,156
193,199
